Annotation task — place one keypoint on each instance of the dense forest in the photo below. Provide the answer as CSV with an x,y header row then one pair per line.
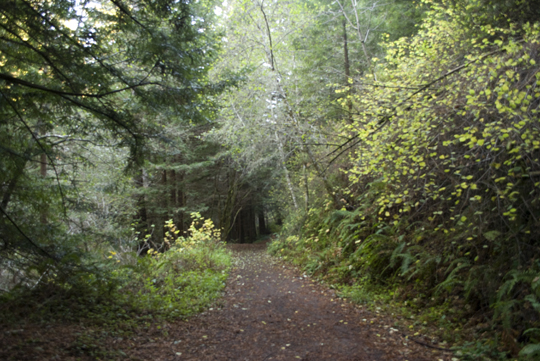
x,y
390,149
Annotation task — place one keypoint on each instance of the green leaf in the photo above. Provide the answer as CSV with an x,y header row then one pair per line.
x,y
530,350
492,235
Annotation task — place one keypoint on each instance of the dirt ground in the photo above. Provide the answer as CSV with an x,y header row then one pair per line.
x,y
269,311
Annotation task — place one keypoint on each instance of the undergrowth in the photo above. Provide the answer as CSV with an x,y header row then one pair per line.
x,y
440,210
403,269
122,291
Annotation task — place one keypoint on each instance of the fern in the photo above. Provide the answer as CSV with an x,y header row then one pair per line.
x,y
472,280
353,226
424,266
407,260
516,277
530,350
397,253
385,229
340,214
534,302
503,306
532,330
452,278
507,287
503,309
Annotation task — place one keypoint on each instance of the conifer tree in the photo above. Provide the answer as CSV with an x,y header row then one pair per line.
x,y
82,74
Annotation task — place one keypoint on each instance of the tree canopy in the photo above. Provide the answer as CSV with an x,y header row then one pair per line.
x,y
83,77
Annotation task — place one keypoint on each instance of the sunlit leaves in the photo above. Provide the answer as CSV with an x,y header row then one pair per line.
x,y
456,113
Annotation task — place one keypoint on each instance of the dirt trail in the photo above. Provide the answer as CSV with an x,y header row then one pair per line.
x,y
271,312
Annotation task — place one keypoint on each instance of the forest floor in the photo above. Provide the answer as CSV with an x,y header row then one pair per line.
x,y
270,311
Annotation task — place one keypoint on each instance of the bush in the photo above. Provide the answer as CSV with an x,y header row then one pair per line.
x,y
176,283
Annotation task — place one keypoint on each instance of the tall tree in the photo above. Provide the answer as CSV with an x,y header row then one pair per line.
x,y
107,73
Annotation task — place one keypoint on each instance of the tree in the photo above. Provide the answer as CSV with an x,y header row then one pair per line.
x,y
100,73
287,113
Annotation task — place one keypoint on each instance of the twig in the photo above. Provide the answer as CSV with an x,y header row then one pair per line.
x,y
427,344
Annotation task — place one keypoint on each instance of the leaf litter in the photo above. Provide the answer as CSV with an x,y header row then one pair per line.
x,y
285,320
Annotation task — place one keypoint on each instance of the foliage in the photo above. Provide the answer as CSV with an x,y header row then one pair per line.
x,y
179,282
530,350
185,278
443,193
404,159
88,91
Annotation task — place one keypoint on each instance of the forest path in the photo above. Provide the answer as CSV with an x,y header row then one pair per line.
x,y
272,312
269,311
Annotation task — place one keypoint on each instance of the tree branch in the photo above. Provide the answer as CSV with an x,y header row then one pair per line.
x,y
45,253
123,9
11,79
19,115
269,37
386,117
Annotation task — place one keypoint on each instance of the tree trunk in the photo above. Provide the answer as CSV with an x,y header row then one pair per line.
x,y
251,227
180,199
227,218
262,223
13,183
171,179
163,212
306,185
289,183
141,219
43,172
348,79
244,227
240,226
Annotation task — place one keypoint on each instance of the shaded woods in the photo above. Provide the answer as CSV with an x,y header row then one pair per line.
x,y
391,150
